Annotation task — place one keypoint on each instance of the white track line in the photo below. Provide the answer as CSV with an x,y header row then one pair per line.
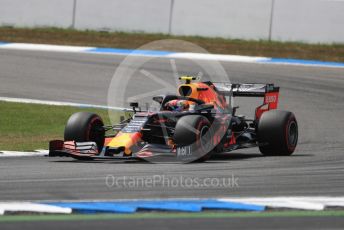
x,y
43,151
21,154
31,207
44,47
60,103
304,203
327,201
218,57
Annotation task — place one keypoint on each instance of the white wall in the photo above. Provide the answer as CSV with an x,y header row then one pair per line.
x,y
124,15
293,20
309,20
247,19
31,13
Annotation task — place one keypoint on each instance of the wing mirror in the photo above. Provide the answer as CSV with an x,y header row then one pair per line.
x,y
134,105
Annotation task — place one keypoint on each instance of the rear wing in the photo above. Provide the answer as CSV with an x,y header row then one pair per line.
x,y
270,92
245,90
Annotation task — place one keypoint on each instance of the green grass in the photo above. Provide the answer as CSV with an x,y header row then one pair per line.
x,y
324,52
160,215
26,127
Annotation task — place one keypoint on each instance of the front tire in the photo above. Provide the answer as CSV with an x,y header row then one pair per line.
x,y
195,131
83,127
277,133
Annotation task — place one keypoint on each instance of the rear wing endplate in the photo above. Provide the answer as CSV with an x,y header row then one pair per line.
x,y
245,90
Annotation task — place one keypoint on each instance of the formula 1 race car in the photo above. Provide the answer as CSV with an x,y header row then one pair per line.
x,y
188,127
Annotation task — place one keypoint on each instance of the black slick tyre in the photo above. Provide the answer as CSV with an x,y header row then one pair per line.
x,y
83,127
195,131
277,133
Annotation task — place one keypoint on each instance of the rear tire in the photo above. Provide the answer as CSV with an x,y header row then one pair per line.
x,y
277,133
195,131
83,127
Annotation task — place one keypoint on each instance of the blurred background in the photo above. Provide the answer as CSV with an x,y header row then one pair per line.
x,y
313,21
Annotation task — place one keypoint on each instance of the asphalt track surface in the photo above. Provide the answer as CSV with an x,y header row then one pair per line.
x,y
314,94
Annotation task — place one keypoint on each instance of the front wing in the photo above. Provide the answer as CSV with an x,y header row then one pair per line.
x,y
89,151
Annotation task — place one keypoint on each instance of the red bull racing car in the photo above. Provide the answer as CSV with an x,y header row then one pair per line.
x,y
190,126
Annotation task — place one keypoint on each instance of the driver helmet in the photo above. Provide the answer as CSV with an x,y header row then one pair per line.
x,y
178,105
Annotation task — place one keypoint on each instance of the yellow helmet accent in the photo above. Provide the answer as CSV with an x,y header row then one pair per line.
x,y
187,79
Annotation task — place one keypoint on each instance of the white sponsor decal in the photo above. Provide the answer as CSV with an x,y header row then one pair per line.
x,y
271,99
